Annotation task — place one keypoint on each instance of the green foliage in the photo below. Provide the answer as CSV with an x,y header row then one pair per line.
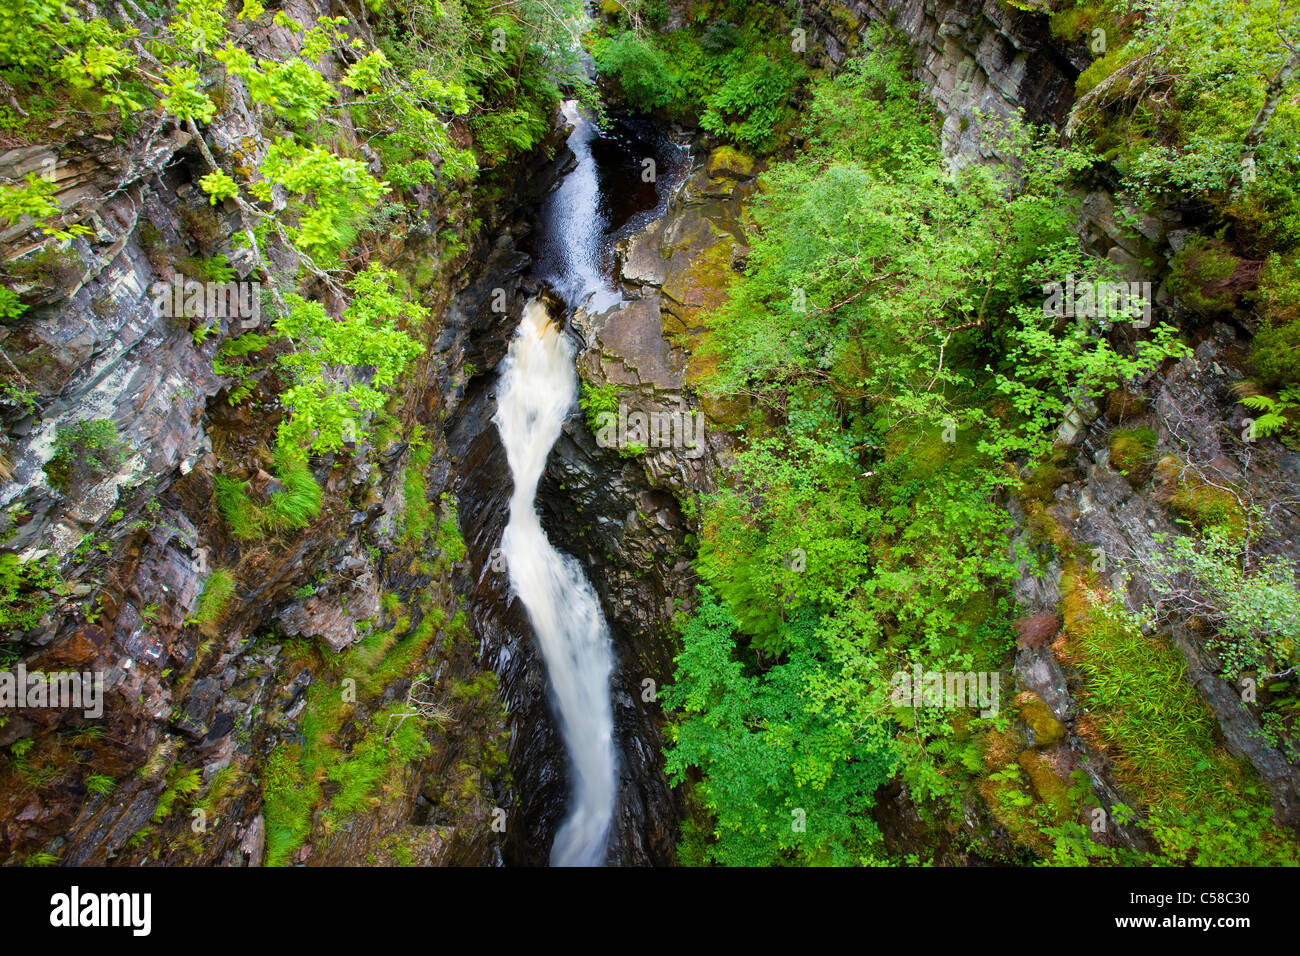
x,y
84,451
179,783
218,186
448,540
1161,738
240,512
890,329
1276,413
642,71
748,106
34,200
289,508
374,761
27,590
99,784
738,77
1252,602
294,778
326,409
293,506
1209,507
419,516
338,188
595,400
1173,104
1275,352
287,803
783,780
47,38
214,600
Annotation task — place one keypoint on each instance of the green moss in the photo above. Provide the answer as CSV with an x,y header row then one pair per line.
x,y
1207,507
729,162
1131,452
419,514
1054,793
1038,717
448,540
1056,470
1276,350
1115,59
1199,274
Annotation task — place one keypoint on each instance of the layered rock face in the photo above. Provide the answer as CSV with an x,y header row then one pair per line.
x,y
973,56
218,700
138,543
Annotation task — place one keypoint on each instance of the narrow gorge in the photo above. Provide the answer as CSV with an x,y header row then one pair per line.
x,y
469,434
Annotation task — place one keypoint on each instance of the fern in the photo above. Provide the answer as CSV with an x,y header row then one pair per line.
x,y
1276,413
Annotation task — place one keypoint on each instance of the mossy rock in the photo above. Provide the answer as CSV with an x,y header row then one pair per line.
x,y
1131,453
1209,278
1052,791
1056,470
1206,507
1038,717
1121,404
727,162
1277,341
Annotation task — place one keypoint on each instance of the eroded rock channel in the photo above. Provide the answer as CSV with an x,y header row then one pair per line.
x,y
616,514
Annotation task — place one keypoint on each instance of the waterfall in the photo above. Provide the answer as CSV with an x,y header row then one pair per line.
x,y
537,389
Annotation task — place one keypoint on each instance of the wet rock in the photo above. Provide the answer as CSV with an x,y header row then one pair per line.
x,y
726,162
332,618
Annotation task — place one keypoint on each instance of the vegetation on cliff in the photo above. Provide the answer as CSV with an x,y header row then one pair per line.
x,y
889,338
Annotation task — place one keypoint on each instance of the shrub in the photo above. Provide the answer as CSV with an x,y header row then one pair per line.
x,y
641,70
25,590
86,450
751,103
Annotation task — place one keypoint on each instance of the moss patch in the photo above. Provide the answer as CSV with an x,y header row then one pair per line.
x,y
1131,453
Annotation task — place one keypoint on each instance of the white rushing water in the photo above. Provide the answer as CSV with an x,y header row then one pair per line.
x,y
537,389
